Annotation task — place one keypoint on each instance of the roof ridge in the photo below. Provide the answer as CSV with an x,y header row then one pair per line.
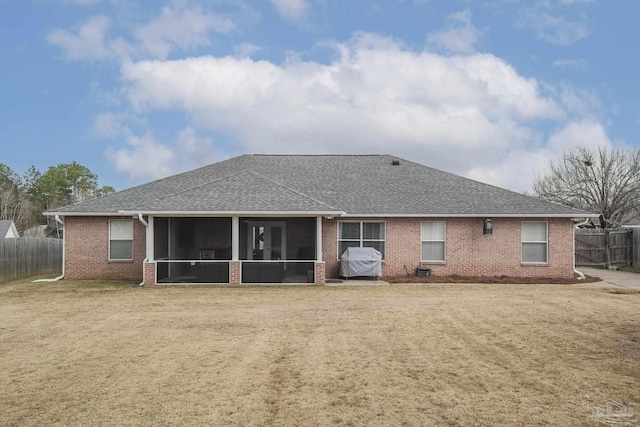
x,y
299,193
317,155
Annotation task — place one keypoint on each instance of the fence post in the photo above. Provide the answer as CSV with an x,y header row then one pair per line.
x,y
607,248
629,247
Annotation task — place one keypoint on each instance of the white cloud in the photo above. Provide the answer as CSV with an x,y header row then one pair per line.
x,y
195,150
552,28
518,167
293,10
87,43
180,27
185,28
580,103
376,96
245,50
109,125
82,2
587,133
575,64
460,36
575,1
144,158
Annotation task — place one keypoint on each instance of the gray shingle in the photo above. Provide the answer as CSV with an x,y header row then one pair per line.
x,y
355,184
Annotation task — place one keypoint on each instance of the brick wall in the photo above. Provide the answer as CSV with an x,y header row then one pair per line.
x,y
468,251
87,250
320,274
149,274
234,272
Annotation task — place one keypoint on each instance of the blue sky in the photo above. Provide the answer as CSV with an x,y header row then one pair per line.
x,y
492,90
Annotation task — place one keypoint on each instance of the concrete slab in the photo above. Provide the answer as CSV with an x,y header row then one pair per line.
x,y
613,277
356,282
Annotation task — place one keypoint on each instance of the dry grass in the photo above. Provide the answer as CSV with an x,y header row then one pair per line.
x,y
112,354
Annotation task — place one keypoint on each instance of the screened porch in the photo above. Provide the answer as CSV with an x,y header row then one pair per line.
x,y
200,249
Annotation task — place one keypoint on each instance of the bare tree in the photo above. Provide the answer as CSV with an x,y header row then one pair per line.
x,y
14,202
606,182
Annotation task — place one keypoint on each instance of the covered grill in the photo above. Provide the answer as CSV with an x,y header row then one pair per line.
x,y
357,262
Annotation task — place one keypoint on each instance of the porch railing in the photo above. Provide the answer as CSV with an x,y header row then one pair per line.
x,y
173,271
289,271
217,272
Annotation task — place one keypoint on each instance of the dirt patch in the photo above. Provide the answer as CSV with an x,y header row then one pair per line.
x,y
490,280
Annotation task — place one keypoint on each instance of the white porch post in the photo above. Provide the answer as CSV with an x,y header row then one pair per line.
x,y
235,238
319,238
150,254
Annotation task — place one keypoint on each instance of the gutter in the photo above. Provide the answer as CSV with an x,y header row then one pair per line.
x,y
64,239
575,270
146,258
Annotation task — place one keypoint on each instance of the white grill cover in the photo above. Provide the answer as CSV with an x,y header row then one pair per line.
x,y
356,262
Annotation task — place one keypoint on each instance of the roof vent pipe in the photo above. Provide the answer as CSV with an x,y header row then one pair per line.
x,y
395,162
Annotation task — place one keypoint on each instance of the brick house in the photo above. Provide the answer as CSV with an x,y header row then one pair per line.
x,y
287,219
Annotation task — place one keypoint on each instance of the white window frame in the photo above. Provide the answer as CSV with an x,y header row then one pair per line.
x,y
362,239
523,242
443,241
111,238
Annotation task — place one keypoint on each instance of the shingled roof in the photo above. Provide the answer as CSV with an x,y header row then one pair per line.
x,y
353,185
7,225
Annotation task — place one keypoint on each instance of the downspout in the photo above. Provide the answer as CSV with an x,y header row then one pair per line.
x,y
575,270
64,239
146,258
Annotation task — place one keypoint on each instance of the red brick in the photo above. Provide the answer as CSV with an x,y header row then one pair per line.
x,y
468,251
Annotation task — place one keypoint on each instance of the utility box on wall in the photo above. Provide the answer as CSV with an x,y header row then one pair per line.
x,y
423,272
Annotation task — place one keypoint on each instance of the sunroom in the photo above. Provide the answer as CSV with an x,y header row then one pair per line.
x,y
215,250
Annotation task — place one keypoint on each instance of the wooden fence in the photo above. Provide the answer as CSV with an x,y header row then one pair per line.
x,y
596,247
635,244
29,256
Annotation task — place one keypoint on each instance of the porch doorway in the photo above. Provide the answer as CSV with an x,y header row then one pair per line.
x,y
266,240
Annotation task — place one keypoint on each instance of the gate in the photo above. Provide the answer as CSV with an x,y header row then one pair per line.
x,y
597,247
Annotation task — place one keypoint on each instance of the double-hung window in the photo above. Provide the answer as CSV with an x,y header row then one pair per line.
x,y
361,234
121,239
534,242
433,238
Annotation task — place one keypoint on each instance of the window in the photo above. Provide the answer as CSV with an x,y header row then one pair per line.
x,y
433,240
361,234
121,239
534,241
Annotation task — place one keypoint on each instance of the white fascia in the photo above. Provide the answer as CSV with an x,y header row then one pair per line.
x,y
63,214
485,215
238,213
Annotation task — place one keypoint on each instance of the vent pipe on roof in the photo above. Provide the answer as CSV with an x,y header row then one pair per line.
x,y
395,162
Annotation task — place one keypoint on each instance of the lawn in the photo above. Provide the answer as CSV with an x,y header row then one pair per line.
x,y
89,353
